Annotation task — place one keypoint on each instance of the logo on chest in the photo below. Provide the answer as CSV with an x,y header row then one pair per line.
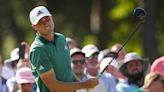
x,y
65,48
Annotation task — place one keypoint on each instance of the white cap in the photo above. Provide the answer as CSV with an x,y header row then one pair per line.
x,y
68,39
89,50
14,55
106,61
104,53
37,13
76,50
132,56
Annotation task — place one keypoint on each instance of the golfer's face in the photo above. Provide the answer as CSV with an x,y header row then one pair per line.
x,y
45,25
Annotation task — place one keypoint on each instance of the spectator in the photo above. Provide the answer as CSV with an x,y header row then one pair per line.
x,y
21,61
154,82
78,65
112,68
71,43
3,86
134,69
158,66
12,64
103,54
9,67
92,69
25,79
121,55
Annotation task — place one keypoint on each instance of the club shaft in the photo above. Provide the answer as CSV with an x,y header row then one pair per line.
x,y
129,37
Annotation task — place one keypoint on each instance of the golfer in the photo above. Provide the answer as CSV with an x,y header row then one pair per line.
x,y
50,56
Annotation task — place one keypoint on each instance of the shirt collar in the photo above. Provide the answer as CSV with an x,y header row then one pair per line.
x,y
42,39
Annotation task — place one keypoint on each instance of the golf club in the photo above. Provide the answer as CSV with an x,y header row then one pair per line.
x,y
139,15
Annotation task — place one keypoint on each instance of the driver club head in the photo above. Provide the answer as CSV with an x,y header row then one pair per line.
x,y
139,14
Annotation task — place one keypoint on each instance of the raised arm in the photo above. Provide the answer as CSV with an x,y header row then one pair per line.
x,y
54,85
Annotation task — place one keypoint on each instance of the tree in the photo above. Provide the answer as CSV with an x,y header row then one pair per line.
x,y
150,41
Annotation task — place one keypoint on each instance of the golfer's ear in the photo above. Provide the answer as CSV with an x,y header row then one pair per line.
x,y
34,27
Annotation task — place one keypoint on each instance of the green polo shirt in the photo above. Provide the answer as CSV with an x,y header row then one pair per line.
x,y
45,55
139,90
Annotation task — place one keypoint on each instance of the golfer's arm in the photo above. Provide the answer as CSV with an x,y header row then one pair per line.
x,y
54,85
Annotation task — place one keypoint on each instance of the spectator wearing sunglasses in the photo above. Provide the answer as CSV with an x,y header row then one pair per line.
x,y
154,82
77,63
92,69
78,66
91,53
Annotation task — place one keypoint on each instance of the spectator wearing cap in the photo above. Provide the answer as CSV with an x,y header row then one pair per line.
x,y
17,62
134,69
153,82
92,69
3,86
112,68
25,79
9,67
9,70
103,54
78,65
121,55
71,43
91,53
158,65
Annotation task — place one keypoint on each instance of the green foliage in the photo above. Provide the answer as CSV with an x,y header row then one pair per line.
x,y
8,45
89,39
120,35
72,18
122,10
161,41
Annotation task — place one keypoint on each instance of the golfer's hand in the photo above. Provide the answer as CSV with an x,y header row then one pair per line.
x,y
90,83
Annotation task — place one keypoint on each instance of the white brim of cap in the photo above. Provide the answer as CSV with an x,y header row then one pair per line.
x,y
37,20
10,60
106,61
89,53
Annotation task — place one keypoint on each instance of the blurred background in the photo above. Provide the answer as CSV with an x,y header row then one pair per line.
x,y
100,22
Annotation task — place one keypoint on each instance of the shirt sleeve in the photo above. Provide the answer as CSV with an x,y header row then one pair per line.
x,y
40,62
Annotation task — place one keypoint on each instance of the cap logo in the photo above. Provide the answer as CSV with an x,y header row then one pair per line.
x,y
92,48
39,12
